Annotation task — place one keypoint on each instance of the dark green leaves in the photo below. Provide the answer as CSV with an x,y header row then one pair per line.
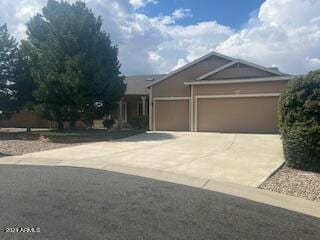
x,y
300,122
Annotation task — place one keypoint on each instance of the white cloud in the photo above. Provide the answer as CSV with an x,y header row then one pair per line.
x,y
181,62
182,13
141,3
312,63
283,33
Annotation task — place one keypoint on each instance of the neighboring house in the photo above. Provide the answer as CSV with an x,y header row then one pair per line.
x,y
213,93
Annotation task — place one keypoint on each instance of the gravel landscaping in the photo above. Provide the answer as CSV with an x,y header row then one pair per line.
x,y
295,183
17,141
18,147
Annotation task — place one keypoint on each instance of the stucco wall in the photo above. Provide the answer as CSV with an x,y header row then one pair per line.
x,y
257,87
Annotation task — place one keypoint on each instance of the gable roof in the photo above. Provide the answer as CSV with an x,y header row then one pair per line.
x,y
270,70
191,64
233,61
136,85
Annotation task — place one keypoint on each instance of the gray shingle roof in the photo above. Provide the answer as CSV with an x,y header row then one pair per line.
x,y
136,85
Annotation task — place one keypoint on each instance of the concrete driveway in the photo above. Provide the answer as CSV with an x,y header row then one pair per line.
x,y
246,159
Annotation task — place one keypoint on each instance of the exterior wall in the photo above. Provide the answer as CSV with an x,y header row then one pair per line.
x,y
252,114
171,115
257,87
174,85
243,71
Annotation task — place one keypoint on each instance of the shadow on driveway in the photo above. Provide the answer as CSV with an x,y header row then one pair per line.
x,y
149,136
78,203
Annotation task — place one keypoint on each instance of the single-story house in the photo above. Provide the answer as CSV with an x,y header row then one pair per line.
x,y
213,93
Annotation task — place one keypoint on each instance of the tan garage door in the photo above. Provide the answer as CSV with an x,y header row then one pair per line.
x,y
171,115
245,114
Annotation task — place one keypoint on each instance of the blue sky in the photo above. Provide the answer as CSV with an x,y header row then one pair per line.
x,y
158,36
233,13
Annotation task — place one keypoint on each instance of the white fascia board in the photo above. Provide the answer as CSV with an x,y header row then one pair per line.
x,y
170,98
245,80
254,95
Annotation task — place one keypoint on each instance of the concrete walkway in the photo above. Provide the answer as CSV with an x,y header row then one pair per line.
x,y
227,163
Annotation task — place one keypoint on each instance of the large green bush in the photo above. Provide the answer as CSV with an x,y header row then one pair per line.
x,y
139,122
299,110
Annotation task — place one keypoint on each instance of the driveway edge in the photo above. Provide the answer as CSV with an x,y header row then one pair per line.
x,y
274,171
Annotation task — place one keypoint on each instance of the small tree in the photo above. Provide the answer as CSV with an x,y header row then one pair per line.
x,y
8,62
76,65
299,109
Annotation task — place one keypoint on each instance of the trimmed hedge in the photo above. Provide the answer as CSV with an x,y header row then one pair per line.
x,y
139,122
299,110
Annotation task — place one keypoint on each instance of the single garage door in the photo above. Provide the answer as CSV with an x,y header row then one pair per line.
x,y
171,115
243,114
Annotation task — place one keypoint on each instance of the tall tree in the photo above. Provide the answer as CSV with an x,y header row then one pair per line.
x,y
24,86
76,66
8,62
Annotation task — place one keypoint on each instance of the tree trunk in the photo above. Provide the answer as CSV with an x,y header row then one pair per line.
x,y
72,124
60,125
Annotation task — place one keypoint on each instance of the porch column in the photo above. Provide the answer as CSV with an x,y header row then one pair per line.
x,y
143,98
120,114
150,110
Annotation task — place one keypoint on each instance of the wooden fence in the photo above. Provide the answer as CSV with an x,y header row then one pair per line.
x,y
25,119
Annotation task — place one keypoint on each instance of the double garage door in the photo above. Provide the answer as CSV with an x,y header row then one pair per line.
x,y
243,114
256,114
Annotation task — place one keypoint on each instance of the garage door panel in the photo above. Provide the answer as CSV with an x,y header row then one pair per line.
x,y
246,114
172,115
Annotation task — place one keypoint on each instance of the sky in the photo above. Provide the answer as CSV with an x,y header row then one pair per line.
x,y
158,36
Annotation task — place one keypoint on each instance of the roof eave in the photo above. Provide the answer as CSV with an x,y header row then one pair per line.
x,y
244,80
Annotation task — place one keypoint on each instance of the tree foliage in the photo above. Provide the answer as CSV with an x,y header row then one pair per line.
x,y
8,63
23,84
75,65
300,122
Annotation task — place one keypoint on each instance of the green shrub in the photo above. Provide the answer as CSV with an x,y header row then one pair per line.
x,y
299,110
108,123
139,122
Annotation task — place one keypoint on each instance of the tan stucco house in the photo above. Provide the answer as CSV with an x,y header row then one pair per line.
x,y
214,93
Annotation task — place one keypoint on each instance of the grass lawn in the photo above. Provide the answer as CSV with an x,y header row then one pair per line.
x,y
69,136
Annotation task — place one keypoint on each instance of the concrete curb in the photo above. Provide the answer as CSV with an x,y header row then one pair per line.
x,y
274,171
